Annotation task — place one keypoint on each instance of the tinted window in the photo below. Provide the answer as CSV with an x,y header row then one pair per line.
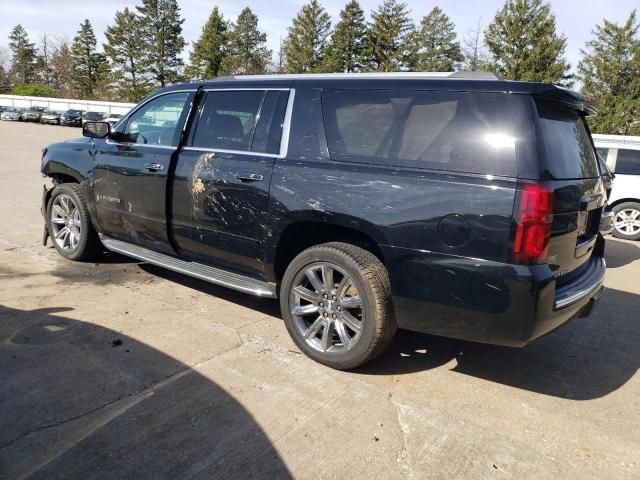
x,y
465,132
94,116
628,162
227,120
156,122
266,138
567,145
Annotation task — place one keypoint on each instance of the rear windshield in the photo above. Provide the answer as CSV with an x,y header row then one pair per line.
x,y
453,131
568,151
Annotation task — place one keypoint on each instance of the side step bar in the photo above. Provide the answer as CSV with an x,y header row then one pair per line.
x,y
193,269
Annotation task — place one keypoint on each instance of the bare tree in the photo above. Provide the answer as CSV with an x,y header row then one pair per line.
x,y
474,49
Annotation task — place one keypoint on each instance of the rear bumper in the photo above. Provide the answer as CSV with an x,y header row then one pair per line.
x,y
487,302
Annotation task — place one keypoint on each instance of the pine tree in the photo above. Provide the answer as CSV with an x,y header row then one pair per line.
x,y
435,44
90,68
210,49
247,51
610,74
125,51
524,44
347,50
304,47
24,56
162,38
389,33
474,50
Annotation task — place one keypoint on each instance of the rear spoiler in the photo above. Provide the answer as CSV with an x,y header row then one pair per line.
x,y
555,93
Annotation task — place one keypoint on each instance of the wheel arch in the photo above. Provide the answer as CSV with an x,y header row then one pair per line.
x,y
299,235
624,200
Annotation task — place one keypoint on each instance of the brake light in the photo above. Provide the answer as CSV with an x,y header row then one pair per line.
x,y
533,224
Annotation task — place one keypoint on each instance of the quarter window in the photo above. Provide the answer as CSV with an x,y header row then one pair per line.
x,y
628,162
156,122
465,132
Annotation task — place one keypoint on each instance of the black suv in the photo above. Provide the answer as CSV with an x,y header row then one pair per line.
x,y
451,204
71,118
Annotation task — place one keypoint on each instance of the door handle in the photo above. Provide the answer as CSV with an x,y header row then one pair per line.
x,y
249,177
154,167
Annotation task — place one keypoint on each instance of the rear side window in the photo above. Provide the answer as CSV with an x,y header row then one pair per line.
x,y
266,138
454,131
228,119
568,151
628,162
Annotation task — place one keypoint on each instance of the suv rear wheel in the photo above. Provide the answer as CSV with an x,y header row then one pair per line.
x,y
626,220
69,224
336,304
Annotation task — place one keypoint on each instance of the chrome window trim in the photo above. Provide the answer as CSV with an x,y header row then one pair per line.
x,y
235,152
286,124
138,107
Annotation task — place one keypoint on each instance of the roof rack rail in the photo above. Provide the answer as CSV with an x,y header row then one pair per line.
x,y
373,75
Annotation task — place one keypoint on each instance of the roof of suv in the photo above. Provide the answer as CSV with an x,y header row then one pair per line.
x,y
459,81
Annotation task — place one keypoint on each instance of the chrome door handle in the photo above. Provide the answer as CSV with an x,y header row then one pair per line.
x,y
154,167
249,177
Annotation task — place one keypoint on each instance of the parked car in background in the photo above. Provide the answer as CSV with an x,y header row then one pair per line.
x,y
33,114
72,118
454,204
2,110
51,116
13,114
622,156
93,117
114,118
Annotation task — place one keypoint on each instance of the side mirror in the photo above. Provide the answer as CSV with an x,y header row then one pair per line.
x,y
96,129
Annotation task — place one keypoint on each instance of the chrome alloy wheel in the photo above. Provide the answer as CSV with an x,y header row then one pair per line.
x,y
65,222
327,308
627,221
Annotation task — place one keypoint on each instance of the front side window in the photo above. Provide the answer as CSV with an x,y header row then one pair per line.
x,y
628,162
454,131
227,120
156,122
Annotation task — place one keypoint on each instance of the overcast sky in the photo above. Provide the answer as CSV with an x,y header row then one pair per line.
x,y
575,18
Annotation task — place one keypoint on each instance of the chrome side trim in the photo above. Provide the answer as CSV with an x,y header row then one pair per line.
x,y
203,272
244,89
590,283
235,152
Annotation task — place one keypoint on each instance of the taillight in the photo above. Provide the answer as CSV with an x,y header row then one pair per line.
x,y
533,224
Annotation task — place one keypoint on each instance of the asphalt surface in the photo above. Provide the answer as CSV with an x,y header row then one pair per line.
x,y
122,370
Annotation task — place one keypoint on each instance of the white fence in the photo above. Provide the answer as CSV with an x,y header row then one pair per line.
x,y
63,104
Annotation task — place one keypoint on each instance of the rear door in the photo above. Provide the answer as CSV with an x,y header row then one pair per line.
x,y
131,169
222,178
569,168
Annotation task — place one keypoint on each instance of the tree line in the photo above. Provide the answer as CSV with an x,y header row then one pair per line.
x,y
144,50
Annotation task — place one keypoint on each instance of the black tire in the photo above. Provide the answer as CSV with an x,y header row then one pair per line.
x,y
371,282
626,206
88,244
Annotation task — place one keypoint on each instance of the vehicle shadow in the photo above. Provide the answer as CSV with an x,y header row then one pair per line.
x,y
586,359
267,306
79,400
619,253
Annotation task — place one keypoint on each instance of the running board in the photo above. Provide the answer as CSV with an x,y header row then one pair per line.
x,y
193,269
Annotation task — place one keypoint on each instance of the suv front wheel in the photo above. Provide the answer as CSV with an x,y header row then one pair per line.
x,y
336,304
69,224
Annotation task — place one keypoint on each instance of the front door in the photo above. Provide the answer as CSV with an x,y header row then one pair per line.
x,y
131,168
221,184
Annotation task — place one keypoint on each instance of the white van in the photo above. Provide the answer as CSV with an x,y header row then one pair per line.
x,y
622,154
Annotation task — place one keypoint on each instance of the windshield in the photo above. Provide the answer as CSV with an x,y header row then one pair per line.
x,y
73,112
569,153
93,116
